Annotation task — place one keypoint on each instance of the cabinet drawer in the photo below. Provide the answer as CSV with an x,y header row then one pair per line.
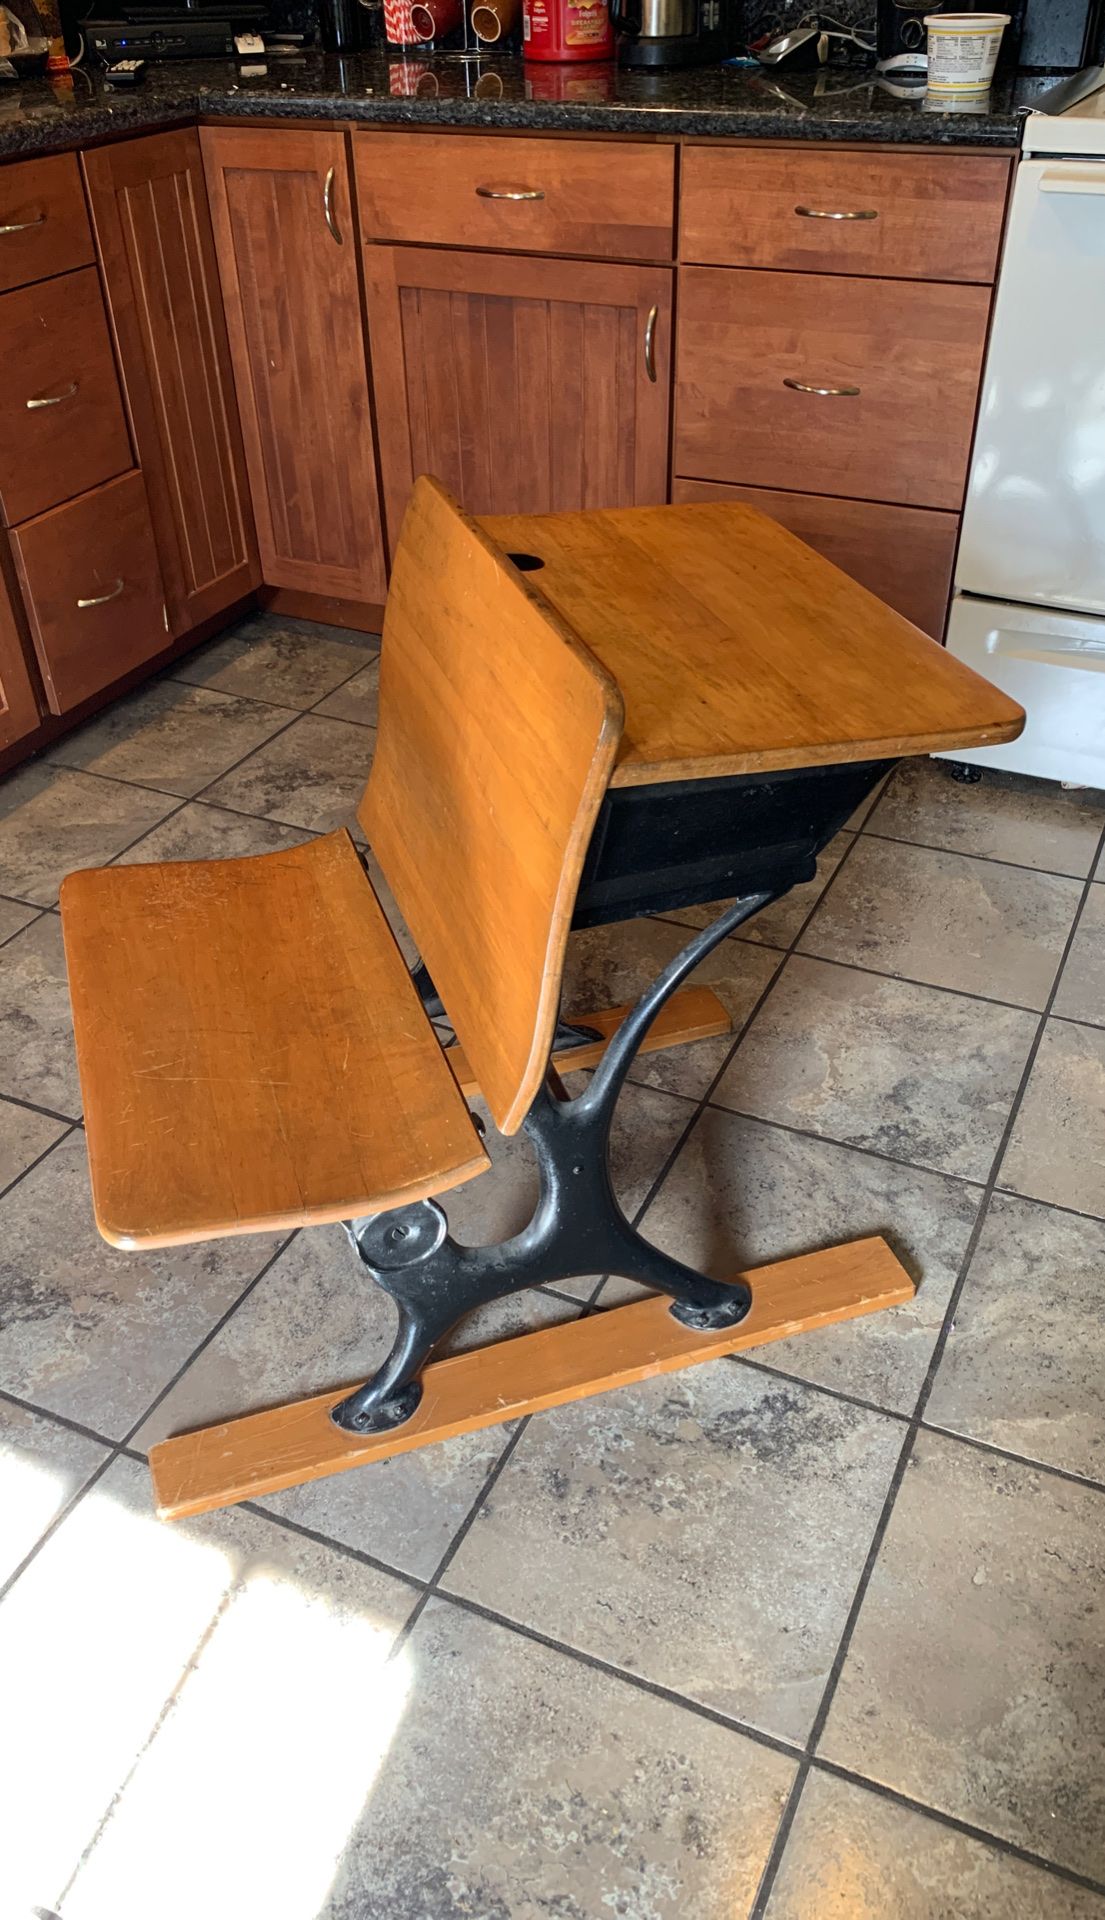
x,y
99,550
902,554
43,222
531,196
919,216
62,428
901,363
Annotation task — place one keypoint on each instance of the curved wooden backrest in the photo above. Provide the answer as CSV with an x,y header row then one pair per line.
x,y
497,736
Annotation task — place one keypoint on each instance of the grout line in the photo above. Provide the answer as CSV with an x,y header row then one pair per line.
x,y
989,1447
37,1162
32,1106
209,1336
911,980
48,1533
965,853
849,1146
778,1849
57,1419
343,1547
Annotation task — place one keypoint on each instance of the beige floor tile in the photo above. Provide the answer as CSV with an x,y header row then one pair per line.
x,y
37,1061
358,699
706,1531
14,915
200,832
611,966
89,1331
1057,1148
777,925
290,663
316,1321
1081,994
947,921
42,1465
852,1855
209,1673
741,1194
23,1136
1031,822
312,776
915,1072
176,739
974,1681
1024,1366
52,821
555,1790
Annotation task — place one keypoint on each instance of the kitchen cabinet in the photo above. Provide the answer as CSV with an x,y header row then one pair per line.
x,y
287,251
903,554
43,222
525,385
157,251
92,589
19,714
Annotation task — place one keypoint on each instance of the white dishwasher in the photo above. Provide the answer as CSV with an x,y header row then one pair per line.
x,y
1029,606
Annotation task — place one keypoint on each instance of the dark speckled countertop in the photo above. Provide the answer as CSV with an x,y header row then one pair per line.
x,y
736,102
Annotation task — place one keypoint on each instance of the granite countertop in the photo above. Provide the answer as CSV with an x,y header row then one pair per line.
x,y
443,90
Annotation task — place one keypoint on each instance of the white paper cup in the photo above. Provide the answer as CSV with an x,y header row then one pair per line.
x,y
963,50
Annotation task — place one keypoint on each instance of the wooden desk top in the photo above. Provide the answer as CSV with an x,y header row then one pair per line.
x,y
738,649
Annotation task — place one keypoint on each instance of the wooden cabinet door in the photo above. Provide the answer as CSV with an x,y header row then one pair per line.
x,y
19,714
287,248
525,386
149,204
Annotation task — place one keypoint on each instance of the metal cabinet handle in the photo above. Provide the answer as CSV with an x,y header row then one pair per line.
x,y
824,213
53,399
24,226
101,599
511,193
650,342
828,393
328,207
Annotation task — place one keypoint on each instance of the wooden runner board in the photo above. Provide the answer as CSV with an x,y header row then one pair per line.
x,y
262,1453
696,1013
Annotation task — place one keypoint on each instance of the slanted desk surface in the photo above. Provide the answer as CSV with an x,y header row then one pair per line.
x,y
738,649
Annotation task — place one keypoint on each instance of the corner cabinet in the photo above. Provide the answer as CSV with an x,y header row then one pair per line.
x,y
525,385
287,250
157,254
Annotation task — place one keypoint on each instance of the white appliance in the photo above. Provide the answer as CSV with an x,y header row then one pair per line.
x,y
1029,606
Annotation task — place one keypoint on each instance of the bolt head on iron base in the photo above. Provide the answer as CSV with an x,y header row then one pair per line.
x,y
385,1414
713,1319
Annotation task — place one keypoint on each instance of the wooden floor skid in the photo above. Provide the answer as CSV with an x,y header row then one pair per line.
x,y
263,1453
696,1013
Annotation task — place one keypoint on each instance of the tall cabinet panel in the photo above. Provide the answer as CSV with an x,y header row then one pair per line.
x,y
149,205
19,714
526,386
287,248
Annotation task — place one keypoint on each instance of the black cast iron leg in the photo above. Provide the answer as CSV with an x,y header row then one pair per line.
x,y
578,1226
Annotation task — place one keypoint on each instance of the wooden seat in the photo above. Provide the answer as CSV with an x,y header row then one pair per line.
x,y
252,1049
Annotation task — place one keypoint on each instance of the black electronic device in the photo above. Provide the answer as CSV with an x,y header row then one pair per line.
x,y
126,73
673,33
188,37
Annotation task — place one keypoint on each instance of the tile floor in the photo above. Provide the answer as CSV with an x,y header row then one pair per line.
x,y
815,1636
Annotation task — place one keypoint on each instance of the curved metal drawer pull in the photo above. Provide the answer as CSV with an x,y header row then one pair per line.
x,y
24,226
101,599
650,343
328,208
511,193
53,399
823,213
828,393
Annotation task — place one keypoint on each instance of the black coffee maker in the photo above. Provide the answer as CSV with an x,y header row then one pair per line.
x,y
674,33
900,32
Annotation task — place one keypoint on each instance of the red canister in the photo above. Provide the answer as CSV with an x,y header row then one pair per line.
x,y
567,30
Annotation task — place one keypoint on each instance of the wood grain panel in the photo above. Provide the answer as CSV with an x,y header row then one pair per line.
x,y
83,551
913,351
617,204
19,710
42,203
520,384
294,315
904,555
285,1446
260,1013
62,428
153,228
937,216
496,737
737,649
